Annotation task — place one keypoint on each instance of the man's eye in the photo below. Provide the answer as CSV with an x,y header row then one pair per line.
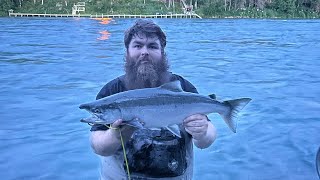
x,y
154,47
137,46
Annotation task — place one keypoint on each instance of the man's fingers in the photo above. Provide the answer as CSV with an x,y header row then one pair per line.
x,y
196,125
195,117
196,129
118,127
117,123
191,118
196,135
199,123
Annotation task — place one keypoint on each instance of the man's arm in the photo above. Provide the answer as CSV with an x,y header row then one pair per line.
x,y
203,131
106,143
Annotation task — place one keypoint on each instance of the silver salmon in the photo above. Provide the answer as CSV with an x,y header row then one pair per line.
x,y
164,106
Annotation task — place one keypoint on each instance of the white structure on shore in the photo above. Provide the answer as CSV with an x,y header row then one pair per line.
x,y
79,7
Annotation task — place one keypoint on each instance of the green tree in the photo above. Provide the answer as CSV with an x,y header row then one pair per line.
x,y
286,7
5,6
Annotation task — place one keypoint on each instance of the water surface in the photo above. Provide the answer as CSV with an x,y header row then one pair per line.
x,y
50,66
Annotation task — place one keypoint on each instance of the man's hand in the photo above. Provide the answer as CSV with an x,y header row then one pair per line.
x,y
116,123
202,131
106,143
126,130
196,125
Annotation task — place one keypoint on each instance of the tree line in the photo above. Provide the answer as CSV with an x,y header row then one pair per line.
x,y
260,8
205,8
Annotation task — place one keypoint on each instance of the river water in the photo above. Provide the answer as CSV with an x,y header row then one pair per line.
x,y
49,66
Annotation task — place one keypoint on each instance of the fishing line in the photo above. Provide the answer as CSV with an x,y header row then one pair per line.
x,y
124,154
124,150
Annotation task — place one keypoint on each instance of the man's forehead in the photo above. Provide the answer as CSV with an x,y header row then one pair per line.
x,y
143,36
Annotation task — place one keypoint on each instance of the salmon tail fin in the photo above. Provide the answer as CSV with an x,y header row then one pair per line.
x,y
235,106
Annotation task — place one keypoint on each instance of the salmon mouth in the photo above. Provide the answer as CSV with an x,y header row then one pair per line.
x,y
92,122
94,119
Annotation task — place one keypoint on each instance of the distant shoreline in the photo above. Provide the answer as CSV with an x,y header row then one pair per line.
x,y
162,16
158,16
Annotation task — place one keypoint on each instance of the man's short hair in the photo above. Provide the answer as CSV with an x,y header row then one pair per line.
x,y
147,27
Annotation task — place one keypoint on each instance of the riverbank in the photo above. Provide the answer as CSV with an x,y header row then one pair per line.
x,y
176,16
139,7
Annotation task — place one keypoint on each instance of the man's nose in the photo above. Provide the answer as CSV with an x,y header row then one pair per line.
x,y
144,51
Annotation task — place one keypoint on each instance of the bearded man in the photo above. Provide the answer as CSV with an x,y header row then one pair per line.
x,y
152,153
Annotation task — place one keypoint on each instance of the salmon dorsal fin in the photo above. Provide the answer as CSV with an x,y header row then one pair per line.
x,y
174,86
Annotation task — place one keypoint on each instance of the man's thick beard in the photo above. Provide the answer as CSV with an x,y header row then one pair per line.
x,y
145,75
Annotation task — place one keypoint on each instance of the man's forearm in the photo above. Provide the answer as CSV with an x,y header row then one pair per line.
x,y
106,143
207,139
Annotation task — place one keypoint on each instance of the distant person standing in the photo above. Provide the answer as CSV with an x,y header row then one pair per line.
x,y
152,153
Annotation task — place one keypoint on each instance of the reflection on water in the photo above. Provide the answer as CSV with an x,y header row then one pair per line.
x,y
104,34
49,66
103,20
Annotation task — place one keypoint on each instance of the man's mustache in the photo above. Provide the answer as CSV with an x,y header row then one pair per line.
x,y
144,60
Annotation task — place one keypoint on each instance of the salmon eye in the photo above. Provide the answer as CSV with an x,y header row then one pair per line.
x,y
96,110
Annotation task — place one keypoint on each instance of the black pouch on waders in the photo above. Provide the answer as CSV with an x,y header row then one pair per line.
x,y
156,153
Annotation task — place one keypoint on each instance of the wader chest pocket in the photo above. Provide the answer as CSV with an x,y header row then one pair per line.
x,y
156,153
